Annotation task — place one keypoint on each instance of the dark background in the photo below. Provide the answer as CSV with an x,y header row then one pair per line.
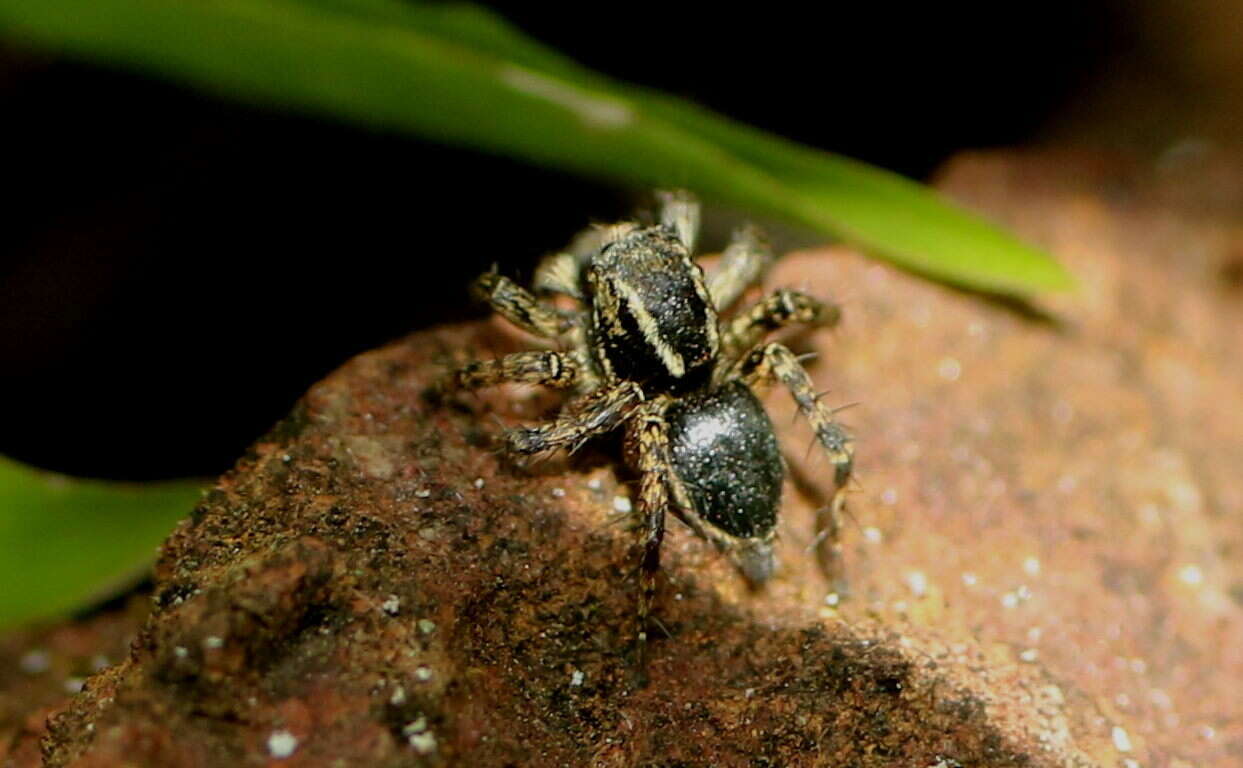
x,y
175,269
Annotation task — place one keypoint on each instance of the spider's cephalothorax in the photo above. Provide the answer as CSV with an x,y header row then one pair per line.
x,y
652,320
647,351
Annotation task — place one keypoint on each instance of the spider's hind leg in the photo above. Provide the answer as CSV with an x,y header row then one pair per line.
x,y
775,362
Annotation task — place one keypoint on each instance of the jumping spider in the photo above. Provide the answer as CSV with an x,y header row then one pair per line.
x,y
648,352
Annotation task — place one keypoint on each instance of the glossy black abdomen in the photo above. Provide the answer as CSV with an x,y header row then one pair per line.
x,y
727,458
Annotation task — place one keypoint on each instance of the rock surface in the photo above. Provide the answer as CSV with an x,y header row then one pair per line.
x,y
1045,570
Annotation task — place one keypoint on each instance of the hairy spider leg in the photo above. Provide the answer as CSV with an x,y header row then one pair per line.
x,y
561,272
595,413
678,209
775,362
777,310
520,307
743,263
547,368
647,440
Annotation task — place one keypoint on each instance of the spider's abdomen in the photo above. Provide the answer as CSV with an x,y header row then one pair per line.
x,y
652,319
726,458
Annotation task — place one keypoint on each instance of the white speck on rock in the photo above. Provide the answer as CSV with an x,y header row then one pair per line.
x,y
213,642
417,735
576,677
969,578
1186,496
1031,566
391,605
873,534
180,652
1067,484
1191,575
398,697
427,626
1121,739
478,482
422,493
424,743
621,504
423,674
34,662
949,369
558,493
1160,699
917,582
1030,655
281,744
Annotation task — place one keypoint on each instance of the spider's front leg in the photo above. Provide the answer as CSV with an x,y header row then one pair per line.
x,y
744,262
648,446
595,413
520,307
777,310
775,362
550,369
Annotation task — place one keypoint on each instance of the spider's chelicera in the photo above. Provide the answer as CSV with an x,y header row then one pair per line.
x,y
648,352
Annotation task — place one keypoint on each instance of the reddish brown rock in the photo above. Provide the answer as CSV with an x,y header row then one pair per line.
x,y
1045,568
41,670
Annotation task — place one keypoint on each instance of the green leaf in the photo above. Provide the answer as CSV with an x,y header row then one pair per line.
x,y
65,541
460,75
